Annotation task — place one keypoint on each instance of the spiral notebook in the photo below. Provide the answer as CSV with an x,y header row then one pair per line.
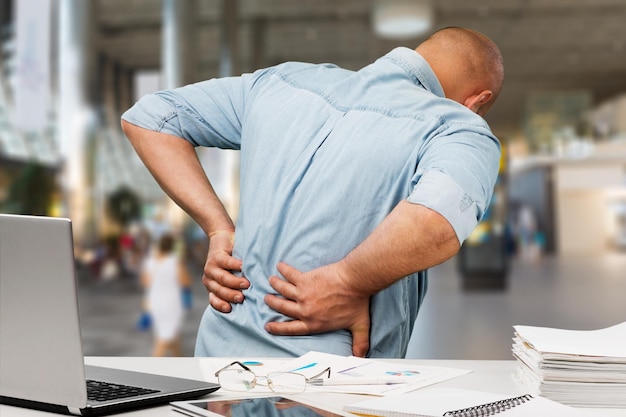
x,y
455,402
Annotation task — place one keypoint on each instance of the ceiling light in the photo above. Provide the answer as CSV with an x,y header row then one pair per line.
x,y
402,19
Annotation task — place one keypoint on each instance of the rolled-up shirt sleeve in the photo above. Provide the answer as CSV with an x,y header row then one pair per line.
x,y
207,113
456,178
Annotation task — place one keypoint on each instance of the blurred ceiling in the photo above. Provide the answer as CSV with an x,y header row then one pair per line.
x,y
551,45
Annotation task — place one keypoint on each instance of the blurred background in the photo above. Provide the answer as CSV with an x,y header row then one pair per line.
x,y
551,250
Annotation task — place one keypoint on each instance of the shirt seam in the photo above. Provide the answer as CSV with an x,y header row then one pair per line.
x,y
414,73
286,78
168,116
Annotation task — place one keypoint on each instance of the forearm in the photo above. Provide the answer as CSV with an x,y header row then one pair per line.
x,y
412,238
175,166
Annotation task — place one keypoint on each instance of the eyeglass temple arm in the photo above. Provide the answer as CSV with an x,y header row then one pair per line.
x,y
242,365
314,377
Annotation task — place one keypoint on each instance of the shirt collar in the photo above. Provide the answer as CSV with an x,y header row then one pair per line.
x,y
417,68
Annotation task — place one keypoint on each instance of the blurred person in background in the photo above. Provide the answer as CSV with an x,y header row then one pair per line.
x,y
165,279
157,225
353,184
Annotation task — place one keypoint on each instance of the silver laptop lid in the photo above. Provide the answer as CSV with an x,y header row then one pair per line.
x,y
41,357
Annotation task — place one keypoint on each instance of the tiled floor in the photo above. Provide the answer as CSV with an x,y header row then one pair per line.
x,y
574,293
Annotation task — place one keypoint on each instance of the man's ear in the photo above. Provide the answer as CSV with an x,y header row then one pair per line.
x,y
476,101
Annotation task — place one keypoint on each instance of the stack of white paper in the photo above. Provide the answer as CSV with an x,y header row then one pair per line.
x,y
579,368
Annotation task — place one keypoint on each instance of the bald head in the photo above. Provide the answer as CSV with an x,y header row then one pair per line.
x,y
468,65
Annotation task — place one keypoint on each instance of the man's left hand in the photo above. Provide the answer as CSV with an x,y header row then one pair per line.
x,y
319,301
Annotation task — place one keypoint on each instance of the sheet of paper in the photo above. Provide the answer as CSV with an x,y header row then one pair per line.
x,y
428,402
439,400
343,367
608,342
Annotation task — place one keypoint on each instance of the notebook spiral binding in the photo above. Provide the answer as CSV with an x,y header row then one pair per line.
x,y
490,408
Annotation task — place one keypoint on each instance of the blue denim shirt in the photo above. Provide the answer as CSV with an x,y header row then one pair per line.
x,y
326,154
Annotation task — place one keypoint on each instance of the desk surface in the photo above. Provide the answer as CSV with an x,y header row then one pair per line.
x,y
492,376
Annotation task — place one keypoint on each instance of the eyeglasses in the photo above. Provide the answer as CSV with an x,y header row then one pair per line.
x,y
244,379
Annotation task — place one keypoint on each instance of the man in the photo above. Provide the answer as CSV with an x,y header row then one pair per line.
x,y
353,184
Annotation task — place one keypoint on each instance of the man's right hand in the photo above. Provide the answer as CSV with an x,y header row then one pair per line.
x,y
224,287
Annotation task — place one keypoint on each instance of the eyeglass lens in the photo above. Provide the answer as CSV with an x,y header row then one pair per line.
x,y
286,382
237,380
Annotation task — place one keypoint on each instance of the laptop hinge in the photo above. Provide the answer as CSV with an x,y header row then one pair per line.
x,y
74,410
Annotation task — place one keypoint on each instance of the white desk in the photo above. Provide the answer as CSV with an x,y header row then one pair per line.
x,y
492,376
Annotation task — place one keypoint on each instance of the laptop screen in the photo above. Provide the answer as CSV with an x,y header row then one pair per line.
x,y
41,355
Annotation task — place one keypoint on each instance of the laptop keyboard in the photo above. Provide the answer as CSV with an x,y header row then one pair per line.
x,y
106,391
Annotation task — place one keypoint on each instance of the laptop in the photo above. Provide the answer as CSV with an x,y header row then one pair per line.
x,y
41,356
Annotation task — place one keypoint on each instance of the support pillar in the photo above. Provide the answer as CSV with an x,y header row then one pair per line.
x,y
77,121
178,43
222,166
178,65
